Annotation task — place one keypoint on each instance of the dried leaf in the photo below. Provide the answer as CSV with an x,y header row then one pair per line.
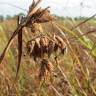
x,y
46,68
51,46
61,43
33,7
29,47
38,42
36,52
36,28
19,51
46,17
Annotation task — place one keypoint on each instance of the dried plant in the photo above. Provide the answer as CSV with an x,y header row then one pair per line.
x,y
45,46
36,27
37,48
60,42
46,68
35,15
77,78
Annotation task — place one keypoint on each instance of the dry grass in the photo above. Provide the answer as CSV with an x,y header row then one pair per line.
x,y
46,69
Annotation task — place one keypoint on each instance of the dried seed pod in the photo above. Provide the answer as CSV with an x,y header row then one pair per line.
x,y
36,28
29,47
61,43
33,30
63,50
46,68
36,52
44,41
56,47
51,47
37,41
44,44
46,17
40,29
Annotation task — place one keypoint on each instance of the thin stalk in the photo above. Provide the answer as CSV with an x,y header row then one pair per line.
x,y
55,90
64,75
74,54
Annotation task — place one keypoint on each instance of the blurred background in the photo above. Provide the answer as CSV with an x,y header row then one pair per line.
x,y
71,8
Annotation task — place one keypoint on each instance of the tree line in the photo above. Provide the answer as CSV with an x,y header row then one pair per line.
x,y
8,17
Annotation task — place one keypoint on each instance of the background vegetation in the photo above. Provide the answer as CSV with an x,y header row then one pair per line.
x,y
74,75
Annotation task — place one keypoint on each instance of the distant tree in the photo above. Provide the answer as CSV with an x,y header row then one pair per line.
x,y
76,18
21,14
61,17
69,18
1,17
15,17
8,17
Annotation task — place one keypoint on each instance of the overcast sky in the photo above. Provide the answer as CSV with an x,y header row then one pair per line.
x,y
59,7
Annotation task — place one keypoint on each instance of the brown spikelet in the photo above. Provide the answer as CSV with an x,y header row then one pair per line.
x,y
46,68
36,28
44,44
61,43
33,29
33,7
46,17
56,47
36,52
44,41
38,42
51,47
29,47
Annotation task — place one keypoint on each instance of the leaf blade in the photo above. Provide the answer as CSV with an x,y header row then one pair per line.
x,y
19,51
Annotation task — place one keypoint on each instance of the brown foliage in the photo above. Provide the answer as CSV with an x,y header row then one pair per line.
x,y
45,45
35,15
45,69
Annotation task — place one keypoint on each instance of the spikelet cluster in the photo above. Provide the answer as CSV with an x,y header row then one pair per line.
x,y
45,45
45,69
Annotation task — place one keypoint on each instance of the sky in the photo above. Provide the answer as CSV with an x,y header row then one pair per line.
x,y
70,8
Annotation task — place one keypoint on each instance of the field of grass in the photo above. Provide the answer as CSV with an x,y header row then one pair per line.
x,y
74,75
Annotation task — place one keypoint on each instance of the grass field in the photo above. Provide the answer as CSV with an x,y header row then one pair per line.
x,y
75,74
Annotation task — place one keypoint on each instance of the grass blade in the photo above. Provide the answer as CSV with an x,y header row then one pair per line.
x,y
83,22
